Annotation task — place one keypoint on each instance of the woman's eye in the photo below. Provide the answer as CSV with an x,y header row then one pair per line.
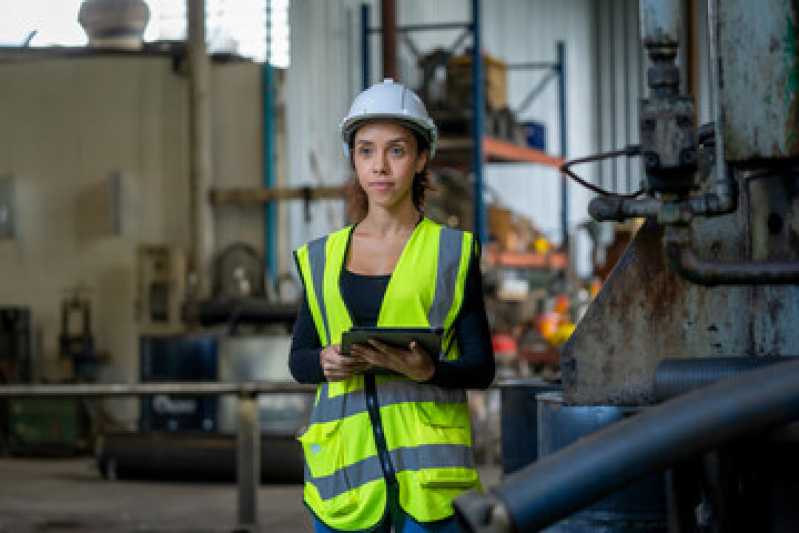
x,y
397,150
364,151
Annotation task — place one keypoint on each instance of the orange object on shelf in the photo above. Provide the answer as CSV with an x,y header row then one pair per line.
x,y
555,261
498,150
505,346
456,151
555,328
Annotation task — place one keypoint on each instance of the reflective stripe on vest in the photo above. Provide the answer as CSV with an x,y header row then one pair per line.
x,y
362,472
426,427
388,393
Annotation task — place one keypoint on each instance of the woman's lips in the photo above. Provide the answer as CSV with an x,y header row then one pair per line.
x,y
381,185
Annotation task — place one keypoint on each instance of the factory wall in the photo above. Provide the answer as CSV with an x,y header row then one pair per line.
x,y
326,73
70,124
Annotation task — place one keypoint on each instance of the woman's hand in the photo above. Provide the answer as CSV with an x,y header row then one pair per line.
x,y
337,366
414,362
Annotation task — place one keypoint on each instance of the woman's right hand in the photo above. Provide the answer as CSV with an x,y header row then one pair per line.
x,y
337,366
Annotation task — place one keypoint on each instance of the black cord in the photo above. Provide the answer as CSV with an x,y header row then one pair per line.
x,y
629,151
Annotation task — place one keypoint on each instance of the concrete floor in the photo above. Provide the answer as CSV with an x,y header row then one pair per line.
x,y
68,495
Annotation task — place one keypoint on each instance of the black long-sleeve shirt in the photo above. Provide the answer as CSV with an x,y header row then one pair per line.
x,y
363,295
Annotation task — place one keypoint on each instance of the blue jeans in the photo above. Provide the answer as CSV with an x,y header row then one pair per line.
x,y
398,521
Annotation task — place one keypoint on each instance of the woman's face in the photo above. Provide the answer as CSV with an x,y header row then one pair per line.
x,y
386,159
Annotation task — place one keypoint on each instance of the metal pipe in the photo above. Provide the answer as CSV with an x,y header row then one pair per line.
x,y
248,460
564,146
684,261
599,100
478,104
612,89
459,40
540,65
365,59
426,27
535,92
660,436
388,15
201,217
724,185
142,389
627,99
617,209
674,377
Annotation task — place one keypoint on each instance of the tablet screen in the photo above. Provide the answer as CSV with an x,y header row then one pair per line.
x,y
428,338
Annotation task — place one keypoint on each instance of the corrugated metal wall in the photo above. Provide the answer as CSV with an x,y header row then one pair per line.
x,y
619,85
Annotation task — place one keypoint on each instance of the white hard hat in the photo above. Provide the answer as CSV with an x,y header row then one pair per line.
x,y
392,101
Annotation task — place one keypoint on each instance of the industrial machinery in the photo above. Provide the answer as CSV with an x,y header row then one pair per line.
x,y
76,341
183,436
683,363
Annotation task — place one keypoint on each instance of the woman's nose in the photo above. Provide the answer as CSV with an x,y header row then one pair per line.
x,y
379,163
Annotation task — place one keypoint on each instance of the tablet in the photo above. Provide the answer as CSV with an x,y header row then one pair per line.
x,y
428,338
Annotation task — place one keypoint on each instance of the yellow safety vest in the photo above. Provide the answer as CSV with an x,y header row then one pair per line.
x,y
426,428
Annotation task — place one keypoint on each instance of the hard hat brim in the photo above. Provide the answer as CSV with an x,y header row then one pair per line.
x,y
426,130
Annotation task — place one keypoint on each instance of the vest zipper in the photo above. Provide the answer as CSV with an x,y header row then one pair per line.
x,y
373,407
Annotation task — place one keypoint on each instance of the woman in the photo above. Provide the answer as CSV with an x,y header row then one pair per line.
x,y
389,449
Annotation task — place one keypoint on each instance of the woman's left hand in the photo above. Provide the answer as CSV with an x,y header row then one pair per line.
x,y
414,362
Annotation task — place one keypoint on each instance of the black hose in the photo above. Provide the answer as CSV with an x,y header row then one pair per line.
x,y
674,377
603,462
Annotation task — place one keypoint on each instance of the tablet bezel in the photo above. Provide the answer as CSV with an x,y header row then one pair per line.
x,y
429,338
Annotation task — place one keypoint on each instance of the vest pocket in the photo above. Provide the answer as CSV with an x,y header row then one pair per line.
x,y
448,478
321,443
443,415
324,457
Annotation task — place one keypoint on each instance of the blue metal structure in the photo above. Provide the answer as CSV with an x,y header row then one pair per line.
x,y
472,26
557,69
564,148
478,110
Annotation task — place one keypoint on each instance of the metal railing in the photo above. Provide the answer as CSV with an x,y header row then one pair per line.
x,y
248,441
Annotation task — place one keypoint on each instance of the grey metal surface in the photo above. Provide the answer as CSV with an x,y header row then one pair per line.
x,y
660,21
646,313
760,97
263,358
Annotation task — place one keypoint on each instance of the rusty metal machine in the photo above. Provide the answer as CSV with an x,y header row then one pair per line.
x,y
690,342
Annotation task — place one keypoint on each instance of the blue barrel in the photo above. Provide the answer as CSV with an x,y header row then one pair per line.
x,y
178,358
519,421
640,507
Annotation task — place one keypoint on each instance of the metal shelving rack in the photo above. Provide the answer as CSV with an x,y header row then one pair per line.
x,y
480,147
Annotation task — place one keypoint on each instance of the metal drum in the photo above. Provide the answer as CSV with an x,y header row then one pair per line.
x,y
261,358
519,420
639,507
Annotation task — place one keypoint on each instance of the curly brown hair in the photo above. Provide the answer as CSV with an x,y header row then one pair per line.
x,y
358,202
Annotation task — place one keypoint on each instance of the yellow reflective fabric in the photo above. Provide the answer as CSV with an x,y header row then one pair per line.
x,y
411,288
429,441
